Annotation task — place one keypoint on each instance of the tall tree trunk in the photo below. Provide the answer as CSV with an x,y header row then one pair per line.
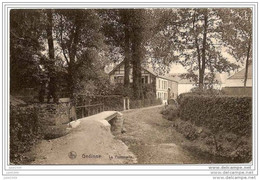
x,y
197,45
204,43
72,56
247,63
137,72
137,39
52,84
127,58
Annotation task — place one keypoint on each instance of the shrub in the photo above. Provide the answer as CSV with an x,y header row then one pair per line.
x,y
187,129
198,91
218,113
31,123
170,112
224,124
144,103
24,131
113,103
228,146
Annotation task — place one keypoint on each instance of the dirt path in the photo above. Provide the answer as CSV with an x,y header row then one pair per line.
x,y
153,139
89,143
150,138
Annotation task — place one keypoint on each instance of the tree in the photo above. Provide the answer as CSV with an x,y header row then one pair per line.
x,y
141,25
51,61
195,38
78,34
117,32
125,18
162,45
26,29
237,34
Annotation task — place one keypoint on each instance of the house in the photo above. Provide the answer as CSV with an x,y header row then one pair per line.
x,y
235,84
165,86
186,84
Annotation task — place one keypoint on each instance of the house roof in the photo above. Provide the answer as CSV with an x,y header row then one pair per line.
x,y
182,80
150,70
241,74
116,67
167,77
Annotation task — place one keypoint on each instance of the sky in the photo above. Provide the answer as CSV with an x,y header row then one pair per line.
x,y
178,68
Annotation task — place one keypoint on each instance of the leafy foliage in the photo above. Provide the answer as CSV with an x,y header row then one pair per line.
x,y
218,113
24,132
223,146
171,112
237,36
78,35
218,125
193,38
144,103
25,46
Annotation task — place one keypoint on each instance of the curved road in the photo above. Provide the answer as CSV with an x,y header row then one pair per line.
x,y
153,139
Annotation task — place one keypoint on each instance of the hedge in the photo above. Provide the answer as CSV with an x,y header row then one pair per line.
x,y
218,113
24,132
221,146
113,103
144,103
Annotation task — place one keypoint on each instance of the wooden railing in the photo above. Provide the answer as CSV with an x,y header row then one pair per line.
x,y
89,105
88,110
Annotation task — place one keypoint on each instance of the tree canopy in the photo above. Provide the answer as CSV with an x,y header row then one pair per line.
x,y
75,45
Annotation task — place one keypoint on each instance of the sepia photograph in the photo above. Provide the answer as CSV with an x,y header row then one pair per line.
x,y
130,86
124,86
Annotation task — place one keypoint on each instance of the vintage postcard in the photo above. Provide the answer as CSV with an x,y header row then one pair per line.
x,y
150,86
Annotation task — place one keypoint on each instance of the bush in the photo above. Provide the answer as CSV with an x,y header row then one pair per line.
x,y
31,123
218,113
170,112
222,125
223,146
24,132
198,91
113,103
144,103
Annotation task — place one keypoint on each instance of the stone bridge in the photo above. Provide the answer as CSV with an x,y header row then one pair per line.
x,y
111,119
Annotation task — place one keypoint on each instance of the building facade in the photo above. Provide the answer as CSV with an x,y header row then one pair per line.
x,y
186,85
165,87
235,84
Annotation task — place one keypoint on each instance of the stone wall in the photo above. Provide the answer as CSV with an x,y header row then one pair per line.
x,y
53,114
117,123
47,114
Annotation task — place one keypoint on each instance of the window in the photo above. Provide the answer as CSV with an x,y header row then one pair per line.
x,y
145,79
119,79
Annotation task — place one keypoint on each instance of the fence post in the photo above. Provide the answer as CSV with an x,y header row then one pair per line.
x,y
128,103
124,103
82,112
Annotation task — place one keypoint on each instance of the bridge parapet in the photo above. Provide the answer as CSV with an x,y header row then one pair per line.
x,y
113,120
